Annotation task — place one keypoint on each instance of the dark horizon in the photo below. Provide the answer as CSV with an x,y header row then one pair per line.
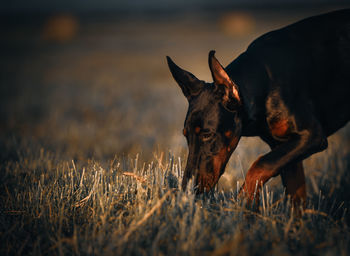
x,y
139,6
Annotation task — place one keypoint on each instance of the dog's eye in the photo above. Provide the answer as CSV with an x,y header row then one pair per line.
x,y
207,136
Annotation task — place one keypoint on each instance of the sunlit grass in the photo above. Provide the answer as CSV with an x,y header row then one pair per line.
x,y
124,206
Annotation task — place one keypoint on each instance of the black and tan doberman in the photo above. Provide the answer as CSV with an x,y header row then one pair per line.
x,y
291,87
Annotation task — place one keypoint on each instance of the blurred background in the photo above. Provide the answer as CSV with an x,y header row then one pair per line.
x,y
89,79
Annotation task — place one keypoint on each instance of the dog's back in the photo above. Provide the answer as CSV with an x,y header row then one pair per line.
x,y
310,60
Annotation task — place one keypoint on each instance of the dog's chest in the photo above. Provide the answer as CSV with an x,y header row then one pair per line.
x,y
278,117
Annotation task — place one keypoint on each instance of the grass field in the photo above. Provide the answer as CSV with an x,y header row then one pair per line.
x,y
92,152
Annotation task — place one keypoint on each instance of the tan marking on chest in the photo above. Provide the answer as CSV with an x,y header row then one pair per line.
x,y
280,128
197,129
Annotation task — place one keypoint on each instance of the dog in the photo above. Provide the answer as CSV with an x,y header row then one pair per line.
x,y
291,87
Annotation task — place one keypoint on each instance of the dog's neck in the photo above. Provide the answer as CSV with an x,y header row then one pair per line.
x,y
252,80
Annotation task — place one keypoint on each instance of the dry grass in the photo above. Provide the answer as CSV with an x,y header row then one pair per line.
x,y
125,207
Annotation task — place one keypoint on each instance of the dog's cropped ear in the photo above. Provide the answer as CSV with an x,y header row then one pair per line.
x,y
221,78
189,84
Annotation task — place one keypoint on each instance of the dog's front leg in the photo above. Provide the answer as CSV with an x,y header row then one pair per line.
x,y
300,146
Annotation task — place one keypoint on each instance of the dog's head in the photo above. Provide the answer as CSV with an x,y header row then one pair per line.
x,y
213,123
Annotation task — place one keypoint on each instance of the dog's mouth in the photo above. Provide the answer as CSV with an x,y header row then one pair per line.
x,y
208,174
205,182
